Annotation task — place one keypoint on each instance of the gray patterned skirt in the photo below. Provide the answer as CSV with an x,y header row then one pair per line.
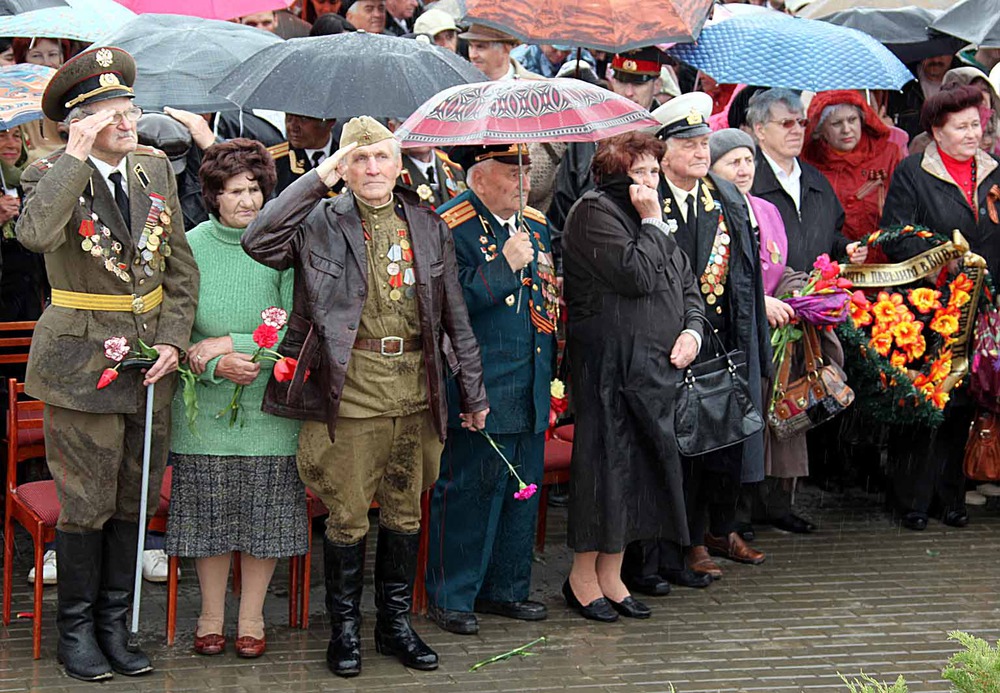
x,y
218,504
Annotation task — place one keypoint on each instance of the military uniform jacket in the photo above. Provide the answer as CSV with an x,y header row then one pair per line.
x,y
450,180
65,200
505,326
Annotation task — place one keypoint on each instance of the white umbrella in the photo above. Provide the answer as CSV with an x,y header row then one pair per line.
x,y
80,20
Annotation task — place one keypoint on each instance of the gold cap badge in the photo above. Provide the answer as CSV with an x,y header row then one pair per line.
x,y
109,79
695,117
630,65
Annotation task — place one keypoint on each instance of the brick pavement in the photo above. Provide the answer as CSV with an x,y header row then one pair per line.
x,y
859,595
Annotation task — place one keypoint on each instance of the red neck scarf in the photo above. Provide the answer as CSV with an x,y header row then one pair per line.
x,y
963,173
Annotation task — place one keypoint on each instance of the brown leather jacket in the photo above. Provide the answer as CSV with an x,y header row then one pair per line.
x,y
322,239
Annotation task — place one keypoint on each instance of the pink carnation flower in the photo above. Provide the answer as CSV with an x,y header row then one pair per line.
x,y
116,348
525,492
274,317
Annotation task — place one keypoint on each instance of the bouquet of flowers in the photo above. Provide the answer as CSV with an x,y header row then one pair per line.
x,y
822,302
265,337
117,349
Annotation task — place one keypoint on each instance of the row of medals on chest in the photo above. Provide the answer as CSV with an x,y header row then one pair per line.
x,y
713,281
401,279
151,254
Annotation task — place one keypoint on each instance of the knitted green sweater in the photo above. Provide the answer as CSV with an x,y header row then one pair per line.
x,y
234,290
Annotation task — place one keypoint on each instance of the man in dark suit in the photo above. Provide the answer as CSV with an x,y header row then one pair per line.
x,y
710,223
399,16
481,534
105,213
310,141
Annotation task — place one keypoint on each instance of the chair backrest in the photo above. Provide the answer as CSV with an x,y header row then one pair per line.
x,y
15,340
23,414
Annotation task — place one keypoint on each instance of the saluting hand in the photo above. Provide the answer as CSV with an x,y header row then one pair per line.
x,y
82,133
327,169
519,251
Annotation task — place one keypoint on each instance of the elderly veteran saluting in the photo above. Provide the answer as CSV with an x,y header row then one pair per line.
x,y
105,213
376,292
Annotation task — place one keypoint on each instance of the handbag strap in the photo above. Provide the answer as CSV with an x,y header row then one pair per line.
x,y
688,376
814,355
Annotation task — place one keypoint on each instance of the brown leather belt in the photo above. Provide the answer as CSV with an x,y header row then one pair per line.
x,y
389,346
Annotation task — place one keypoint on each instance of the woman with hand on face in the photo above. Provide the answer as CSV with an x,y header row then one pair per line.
x,y
952,184
23,285
850,145
235,487
630,296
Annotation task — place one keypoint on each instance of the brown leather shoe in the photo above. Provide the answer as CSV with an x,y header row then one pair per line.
x,y
209,644
249,647
699,562
734,548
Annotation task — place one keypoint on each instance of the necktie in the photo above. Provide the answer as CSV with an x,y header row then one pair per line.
x,y
431,177
690,212
317,157
121,199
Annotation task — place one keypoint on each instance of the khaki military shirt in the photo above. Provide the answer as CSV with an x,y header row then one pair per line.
x,y
378,385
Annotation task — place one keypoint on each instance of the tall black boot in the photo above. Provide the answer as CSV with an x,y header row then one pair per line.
x,y
79,578
395,566
115,599
345,566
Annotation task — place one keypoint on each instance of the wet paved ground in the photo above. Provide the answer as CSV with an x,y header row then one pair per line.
x,y
860,595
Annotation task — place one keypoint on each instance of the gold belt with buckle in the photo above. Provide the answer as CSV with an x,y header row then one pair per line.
x,y
127,303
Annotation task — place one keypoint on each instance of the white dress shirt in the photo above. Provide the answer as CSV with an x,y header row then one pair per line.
x,y
681,197
791,182
106,169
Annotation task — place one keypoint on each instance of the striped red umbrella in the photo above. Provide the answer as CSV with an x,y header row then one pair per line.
x,y
606,25
509,111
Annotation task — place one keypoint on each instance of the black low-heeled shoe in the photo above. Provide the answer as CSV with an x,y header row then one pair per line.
x,y
916,521
631,607
956,518
598,610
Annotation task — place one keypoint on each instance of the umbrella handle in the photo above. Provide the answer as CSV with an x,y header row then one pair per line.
x,y
143,500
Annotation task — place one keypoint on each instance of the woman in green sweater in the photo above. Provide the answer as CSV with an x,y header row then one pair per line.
x,y
235,487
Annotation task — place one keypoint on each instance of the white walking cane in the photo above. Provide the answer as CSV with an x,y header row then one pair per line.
x,y
143,499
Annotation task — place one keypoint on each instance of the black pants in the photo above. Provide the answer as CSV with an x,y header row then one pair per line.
x,y
711,493
765,501
927,464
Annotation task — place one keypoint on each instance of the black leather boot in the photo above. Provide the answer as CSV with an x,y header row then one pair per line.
x,y
114,600
395,566
79,578
345,567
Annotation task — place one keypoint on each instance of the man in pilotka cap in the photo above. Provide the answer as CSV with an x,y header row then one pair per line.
x,y
376,295
105,213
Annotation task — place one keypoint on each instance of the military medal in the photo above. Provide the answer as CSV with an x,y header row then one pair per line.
x,y
713,279
424,192
772,247
509,300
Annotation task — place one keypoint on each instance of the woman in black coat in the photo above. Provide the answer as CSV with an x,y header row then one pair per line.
x,y
630,295
953,184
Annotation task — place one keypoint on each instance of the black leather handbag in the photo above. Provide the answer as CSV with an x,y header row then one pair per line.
x,y
714,409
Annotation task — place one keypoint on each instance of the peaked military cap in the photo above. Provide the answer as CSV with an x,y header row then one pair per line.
x,y
94,75
640,65
469,156
685,116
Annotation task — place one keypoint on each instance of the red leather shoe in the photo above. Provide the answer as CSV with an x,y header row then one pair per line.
x,y
734,548
250,647
209,644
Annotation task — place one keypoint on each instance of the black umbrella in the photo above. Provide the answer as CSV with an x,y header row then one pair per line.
x,y
903,30
346,75
975,21
12,7
178,58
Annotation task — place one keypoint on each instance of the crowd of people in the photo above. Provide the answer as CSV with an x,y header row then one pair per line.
x,y
372,322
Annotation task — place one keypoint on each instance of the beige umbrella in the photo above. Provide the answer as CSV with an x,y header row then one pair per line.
x,y
824,8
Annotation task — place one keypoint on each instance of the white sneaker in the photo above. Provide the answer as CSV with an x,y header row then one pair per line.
x,y
49,571
989,490
974,498
154,565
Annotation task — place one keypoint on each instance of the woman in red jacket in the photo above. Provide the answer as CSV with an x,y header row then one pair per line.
x,y
849,143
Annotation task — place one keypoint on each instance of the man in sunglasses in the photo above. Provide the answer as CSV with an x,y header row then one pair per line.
x,y
809,207
105,213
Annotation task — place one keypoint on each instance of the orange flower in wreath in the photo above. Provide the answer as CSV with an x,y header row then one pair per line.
x,y
962,283
898,360
939,398
916,349
884,308
941,368
925,300
907,331
945,321
881,342
958,298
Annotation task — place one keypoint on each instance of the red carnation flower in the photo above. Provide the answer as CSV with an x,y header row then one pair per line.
x,y
265,336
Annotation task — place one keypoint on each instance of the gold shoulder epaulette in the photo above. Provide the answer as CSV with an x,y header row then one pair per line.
x,y
708,183
278,150
149,151
459,214
447,159
535,215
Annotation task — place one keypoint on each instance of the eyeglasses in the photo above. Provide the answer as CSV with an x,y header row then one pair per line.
x,y
789,123
130,114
